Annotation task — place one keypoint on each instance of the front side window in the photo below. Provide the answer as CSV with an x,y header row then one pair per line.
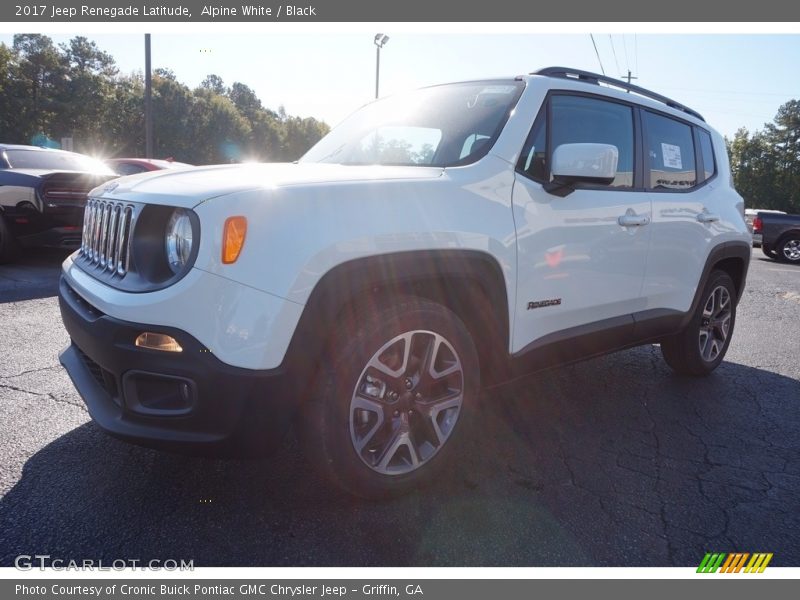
x,y
670,153
533,159
578,119
441,126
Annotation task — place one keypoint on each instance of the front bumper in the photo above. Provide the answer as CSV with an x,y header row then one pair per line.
x,y
55,228
187,401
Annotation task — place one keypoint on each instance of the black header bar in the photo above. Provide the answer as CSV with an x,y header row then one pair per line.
x,y
495,11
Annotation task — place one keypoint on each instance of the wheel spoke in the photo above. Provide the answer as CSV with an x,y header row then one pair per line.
x,y
376,362
360,403
454,367
400,440
705,336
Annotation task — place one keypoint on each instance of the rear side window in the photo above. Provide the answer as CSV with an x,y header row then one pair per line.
x,y
707,153
670,150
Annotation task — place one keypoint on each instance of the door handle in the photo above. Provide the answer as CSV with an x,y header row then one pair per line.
x,y
633,220
707,217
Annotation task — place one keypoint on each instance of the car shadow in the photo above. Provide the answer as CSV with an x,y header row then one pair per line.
x,y
613,461
33,275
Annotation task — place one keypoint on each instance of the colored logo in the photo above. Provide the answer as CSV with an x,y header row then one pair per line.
x,y
734,562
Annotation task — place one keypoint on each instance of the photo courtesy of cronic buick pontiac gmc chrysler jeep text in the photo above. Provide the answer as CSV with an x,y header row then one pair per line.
x,y
433,243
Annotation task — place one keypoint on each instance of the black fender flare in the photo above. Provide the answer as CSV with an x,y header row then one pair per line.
x,y
422,272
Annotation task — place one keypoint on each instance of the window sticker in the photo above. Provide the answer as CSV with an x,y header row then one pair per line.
x,y
672,156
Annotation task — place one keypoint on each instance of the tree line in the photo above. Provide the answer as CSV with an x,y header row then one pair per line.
x,y
49,92
766,163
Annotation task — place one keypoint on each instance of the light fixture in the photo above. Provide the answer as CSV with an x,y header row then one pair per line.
x,y
158,341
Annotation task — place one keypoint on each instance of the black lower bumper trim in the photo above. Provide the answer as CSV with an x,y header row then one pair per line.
x,y
188,401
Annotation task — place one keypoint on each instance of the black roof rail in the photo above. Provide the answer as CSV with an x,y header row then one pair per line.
x,y
596,79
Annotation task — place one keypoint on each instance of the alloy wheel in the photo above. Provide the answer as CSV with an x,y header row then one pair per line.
x,y
715,323
791,250
406,402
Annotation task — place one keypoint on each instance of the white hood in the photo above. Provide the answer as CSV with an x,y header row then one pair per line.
x,y
189,187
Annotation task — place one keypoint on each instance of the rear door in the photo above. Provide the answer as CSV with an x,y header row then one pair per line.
x,y
681,179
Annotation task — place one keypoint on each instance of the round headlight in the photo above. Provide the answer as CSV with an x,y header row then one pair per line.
x,y
178,240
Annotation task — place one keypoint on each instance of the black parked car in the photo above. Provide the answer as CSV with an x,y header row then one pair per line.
x,y
780,235
42,196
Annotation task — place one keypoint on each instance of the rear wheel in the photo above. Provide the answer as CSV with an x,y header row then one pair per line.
x,y
8,245
788,248
394,399
768,251
701,346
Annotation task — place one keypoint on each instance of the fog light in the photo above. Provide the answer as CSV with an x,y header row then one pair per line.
x,y
158,341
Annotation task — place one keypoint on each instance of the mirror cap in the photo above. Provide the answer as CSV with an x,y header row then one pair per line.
x,y
591,163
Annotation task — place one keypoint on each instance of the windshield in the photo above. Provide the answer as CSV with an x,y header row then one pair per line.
x,y
442,126
55,161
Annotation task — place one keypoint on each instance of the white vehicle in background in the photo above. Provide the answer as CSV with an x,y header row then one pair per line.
x,y
432,243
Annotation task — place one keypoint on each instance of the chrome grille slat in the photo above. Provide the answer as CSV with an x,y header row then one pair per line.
x,y
123,262
112,234
106,236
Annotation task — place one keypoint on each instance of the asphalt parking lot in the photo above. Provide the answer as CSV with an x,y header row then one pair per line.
x,y
611,462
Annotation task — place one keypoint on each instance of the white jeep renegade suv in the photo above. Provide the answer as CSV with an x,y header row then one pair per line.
x,y
433,242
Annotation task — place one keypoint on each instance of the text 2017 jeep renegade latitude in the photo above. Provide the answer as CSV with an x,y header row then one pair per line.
x,y
433,242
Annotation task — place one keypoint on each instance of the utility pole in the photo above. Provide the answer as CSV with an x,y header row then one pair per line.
x,y
629,77
148,100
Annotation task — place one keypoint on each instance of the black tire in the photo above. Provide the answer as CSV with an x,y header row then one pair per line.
x,y
768,251
8,245
788,249
359,404
700,347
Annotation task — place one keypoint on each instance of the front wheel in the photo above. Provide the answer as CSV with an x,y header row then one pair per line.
x,y
400,385
700,347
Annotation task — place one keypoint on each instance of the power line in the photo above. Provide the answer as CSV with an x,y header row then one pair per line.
x,y
625,46
598,54
616,62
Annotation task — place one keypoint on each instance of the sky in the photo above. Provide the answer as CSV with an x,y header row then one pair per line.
x,y
732,80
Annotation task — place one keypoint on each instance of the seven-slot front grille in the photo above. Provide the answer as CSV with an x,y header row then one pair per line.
x,y
106,239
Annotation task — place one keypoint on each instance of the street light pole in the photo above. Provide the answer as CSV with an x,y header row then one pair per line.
x,y
379,41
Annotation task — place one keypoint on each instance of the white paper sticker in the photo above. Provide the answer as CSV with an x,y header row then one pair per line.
x,y
672,156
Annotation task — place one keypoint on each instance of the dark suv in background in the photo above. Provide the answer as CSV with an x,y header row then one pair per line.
x,y
42,196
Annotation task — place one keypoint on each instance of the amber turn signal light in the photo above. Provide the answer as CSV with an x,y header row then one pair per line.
x,y
233,236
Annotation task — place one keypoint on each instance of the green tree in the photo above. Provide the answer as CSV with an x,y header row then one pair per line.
x,y
214,83
766,164
91,88
41,83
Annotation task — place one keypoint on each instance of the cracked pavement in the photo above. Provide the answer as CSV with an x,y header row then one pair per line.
x,y
614,461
